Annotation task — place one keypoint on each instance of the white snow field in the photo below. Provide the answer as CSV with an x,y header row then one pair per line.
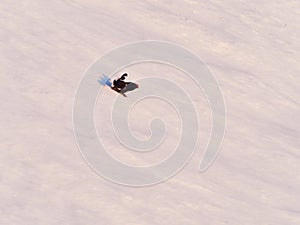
x,y
253,49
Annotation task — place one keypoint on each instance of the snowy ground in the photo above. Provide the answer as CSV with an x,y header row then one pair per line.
x,y
252,47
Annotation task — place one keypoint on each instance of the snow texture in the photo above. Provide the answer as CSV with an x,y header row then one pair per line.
x,y
253,49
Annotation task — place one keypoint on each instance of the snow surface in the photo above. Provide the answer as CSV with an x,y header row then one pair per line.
x,y
252,47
